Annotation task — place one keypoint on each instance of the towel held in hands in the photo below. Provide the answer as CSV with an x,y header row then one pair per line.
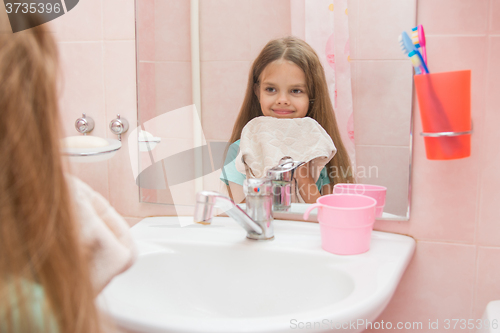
x,y
266,140
103,232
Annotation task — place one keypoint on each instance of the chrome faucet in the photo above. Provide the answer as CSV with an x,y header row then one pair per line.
x,y
258,218
283,183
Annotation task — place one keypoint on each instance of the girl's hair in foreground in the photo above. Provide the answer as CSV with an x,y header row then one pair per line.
x,y
301,54
39,240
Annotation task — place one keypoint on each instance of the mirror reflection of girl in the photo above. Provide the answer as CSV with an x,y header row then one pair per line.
x,y
287,81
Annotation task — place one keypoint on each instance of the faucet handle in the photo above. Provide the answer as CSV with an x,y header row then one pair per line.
x,y
284,170
85,124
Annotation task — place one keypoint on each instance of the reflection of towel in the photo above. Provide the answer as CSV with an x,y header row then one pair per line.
x,y
265,140
103,232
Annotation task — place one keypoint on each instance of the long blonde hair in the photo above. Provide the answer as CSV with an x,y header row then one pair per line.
x,y
301,54
39,242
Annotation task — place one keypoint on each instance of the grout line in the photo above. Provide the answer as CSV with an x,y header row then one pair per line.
x,y
366,60
81,42
383,146
446,242
162,62
103,83
474,281
456,35
92,41
490,10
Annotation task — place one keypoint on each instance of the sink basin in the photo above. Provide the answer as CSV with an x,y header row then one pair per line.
x,y
212,279
89,149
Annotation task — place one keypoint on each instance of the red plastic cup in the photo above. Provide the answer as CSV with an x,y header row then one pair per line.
x,y
444,101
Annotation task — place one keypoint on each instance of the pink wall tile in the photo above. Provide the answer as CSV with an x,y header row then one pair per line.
x,y
375,41
120,82
225,30
270,20
172,30
453,17
494,16
372,167
444,196
125,198
177,124
146,72
437,285
487,287
149,195
488,226
354,28
118,19
145,13
462,52
382,95
297,22
82,23
224,85
173,86
81,85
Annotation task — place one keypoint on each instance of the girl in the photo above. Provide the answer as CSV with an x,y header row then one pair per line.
x,y
45,273
287,81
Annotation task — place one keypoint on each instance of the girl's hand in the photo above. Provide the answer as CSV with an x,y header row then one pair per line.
x,y
307,186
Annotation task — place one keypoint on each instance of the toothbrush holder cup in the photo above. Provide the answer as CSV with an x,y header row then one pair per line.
x,y
345,222
444,100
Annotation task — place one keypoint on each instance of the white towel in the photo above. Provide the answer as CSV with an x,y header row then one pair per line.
x,y
265,140
103,232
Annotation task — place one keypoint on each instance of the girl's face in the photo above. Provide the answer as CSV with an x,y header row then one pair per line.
x,y
282,90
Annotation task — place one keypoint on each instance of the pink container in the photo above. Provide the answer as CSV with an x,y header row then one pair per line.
x,y
345,222
373,191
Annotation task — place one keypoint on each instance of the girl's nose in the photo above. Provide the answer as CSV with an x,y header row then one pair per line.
x,y
283,99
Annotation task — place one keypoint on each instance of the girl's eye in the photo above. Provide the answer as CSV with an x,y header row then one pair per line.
x,y
296,91
270,89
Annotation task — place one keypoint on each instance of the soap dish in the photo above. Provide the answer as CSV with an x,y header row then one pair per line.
x,y
89,149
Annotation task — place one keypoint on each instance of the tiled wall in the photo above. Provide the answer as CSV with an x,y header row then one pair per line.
x,y
96,42
455,216
382,96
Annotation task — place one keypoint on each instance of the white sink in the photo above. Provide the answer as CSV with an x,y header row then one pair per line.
x,y
89,149
212,279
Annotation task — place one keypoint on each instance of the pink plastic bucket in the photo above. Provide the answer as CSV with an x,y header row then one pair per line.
x,y
373,191
345,222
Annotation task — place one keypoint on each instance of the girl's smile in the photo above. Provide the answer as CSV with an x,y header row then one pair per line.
x,y
282,90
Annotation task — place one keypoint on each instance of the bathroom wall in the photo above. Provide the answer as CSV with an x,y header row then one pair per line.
x,y
96,42
455,216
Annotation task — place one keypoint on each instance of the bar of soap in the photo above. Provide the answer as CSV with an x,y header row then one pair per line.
x,y
83,141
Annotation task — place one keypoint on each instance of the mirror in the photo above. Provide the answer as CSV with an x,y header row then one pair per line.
x,y
193,60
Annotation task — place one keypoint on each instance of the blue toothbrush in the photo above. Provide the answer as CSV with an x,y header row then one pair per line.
x,y
407,46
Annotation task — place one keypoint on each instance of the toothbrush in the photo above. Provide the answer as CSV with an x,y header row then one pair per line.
x,y
413,57
415,60
418,38
407,46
